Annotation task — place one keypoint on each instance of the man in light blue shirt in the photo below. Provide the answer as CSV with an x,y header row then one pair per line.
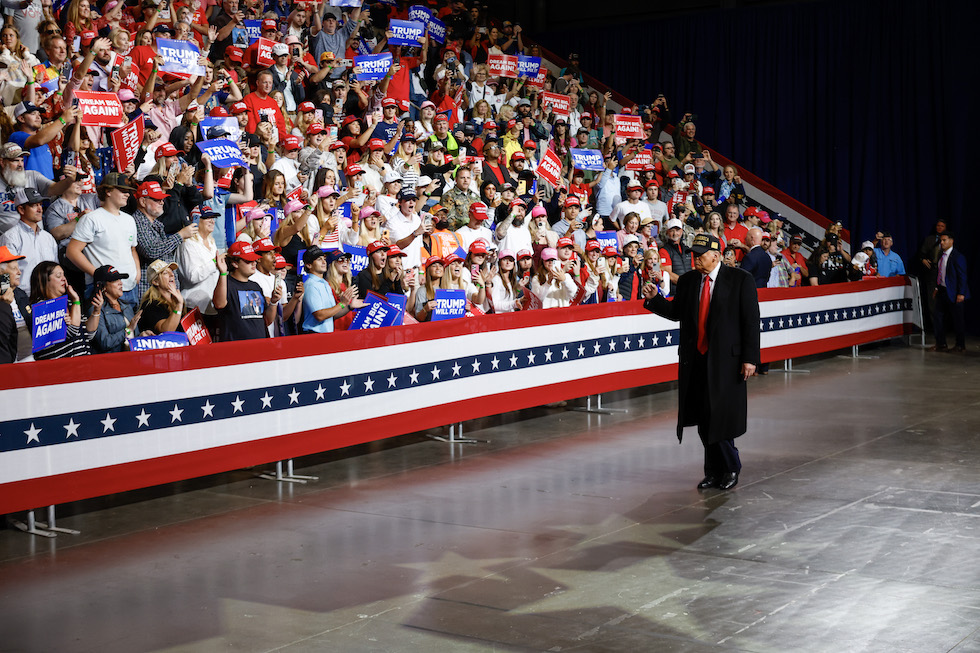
x,y
319,306
889,263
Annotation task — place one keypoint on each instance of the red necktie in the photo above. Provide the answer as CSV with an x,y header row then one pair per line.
x,y
703,315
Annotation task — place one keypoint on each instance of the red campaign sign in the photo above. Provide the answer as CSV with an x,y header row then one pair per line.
x,y
678,198
194,327
100,109
243,210
642,159
549,168
263,55
629,126
126,143
502,65
537,82
560,104
295,194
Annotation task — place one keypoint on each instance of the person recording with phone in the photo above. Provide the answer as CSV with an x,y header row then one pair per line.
x,y
119,322
15,311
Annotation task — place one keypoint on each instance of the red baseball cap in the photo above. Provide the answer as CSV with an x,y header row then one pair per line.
x,y
268,23
479,209
337,145
218,112
389,102
375,246
281,263
348,120
434,259
293,143
238,107
243,250
452,257
610,251
306,107
593,245
233,53
265,245
529,144
376,144
518,156
353,169
490,124
478,247
524,253
511,123
314,129
167,149
152,190
517,201
565,242
395,250
573,200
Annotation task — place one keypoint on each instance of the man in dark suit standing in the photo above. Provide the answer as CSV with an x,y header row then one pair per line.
x,y
757,261
951,292
718,308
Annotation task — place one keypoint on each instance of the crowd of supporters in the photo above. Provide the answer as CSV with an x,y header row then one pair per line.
x,y
431,169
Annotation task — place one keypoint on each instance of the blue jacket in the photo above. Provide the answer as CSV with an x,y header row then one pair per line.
x,y
758,264
956,275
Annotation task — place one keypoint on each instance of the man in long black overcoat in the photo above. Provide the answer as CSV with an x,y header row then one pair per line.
x,y
717,353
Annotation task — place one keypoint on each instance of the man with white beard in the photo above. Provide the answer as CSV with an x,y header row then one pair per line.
x,y
13,177
513,232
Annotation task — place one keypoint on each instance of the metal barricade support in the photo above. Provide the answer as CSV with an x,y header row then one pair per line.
x,y
598,410
43,529
789,369
288,476
455,436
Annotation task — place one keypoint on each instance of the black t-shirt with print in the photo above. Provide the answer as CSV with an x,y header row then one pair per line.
x,y
242,318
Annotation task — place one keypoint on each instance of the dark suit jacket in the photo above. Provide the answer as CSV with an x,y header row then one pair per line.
x,y
733,339
758,264
956,275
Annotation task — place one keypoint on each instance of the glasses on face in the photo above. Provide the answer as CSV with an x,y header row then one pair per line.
x,y
48,32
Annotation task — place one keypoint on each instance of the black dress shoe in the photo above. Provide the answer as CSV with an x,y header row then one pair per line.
x,y
728,481
708,482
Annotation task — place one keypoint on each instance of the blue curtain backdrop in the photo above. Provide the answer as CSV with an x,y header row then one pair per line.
x,y
861,110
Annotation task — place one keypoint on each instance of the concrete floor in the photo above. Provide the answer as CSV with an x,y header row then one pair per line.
x,y
856,527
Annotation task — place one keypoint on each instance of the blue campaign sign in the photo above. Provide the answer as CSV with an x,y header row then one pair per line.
x,y
230,125
607,239
587,159
420,14
345,3
437,30
374,316
398,301
223,153
405,32
358,258
362,47
254,30
48,325
528,66
450,304
179,56
166,340
372,67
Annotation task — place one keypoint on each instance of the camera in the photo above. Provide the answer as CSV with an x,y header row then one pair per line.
x,y
4,283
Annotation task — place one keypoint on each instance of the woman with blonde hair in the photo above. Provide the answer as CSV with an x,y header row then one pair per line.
x,y
162,304
653,271
407,161
482,113
258,226
371,229
425,296
714,225
78,19
507,286
197,270
453,279
338,277
18,58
